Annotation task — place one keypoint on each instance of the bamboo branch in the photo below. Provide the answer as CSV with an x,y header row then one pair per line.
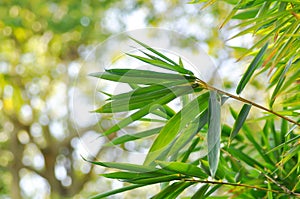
x,y
208,87
240,185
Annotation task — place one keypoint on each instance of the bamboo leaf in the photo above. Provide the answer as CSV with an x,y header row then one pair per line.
x,y
246,14
252,67
183,168
280,82
174,126
168,190
173,190
189,133
130,167
116,191
154,180
162,64
179,190
141,91
147,73
130,175
245,158
214,131
145,110
131,137
241,118
201,191
175,65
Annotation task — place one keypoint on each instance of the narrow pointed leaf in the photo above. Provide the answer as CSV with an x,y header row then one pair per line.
x,y
131,137
179,190
146,74
214,131
168,190
175,125
130,175
183,168
241,118
237,153
252,67
141,91
200,193
189,133
155,51
129,167
280,82
144,111
116,191
162,64
154,180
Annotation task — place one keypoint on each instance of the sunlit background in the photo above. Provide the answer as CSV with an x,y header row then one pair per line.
x,y
44,89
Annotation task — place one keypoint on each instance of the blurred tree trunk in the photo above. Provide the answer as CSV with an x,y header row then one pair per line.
x,y
17,149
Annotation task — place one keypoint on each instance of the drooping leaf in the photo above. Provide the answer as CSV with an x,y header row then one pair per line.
x,y
241,118
189,133
214,131
169,191
280,82
201,191
252,67
175,125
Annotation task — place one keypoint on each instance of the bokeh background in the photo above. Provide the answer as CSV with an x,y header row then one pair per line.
x,y
42,47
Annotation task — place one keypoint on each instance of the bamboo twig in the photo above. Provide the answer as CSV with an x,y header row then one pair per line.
x,y
240,185
208,87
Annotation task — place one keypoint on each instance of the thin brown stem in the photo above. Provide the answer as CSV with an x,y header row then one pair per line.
x,y
206,86
240,185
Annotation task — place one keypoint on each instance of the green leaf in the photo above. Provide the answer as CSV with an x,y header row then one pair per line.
x,y
130,175
280,82
148,73
147,109
131,137
141,91
183,168
189,133
237,153
147,80
241,118
214,131
201,191
174,126
134,102
190,149
179,190
168,190
116,191
129,167
248,14
252,67
175,65
296,138
154,180
162,64
173,190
